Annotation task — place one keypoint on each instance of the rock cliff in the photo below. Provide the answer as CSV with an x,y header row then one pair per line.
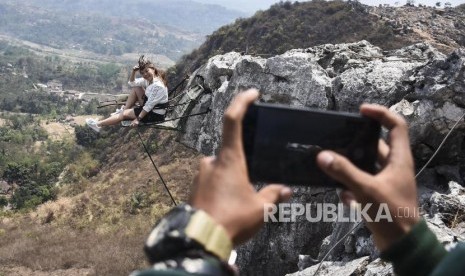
x,y
419,82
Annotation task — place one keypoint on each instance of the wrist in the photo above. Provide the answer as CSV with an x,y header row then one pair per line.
x,y
212,235
185,229
416,253
138,118
391,234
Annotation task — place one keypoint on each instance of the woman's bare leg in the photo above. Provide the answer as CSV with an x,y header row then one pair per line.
x,y
127,114
136,95
140,93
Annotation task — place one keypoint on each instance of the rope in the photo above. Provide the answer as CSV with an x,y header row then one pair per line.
x,y
178,85
440,145
334,246
416,176
156,169
158,124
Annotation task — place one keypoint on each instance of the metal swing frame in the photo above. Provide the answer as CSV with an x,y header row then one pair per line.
x,y
194,89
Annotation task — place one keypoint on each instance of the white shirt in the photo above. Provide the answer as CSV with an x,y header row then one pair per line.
x,y
156,93
139,82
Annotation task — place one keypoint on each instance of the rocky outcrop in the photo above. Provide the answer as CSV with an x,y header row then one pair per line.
x,y
444,213
443,28
418,81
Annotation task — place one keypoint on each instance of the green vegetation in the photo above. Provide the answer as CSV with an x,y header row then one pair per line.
x,y
30,160
34,169
74,75
33,162
289,25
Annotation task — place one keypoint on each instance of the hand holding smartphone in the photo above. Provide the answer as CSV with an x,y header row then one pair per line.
x,y
281,143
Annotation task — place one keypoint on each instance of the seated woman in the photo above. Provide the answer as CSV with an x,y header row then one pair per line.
x,y
138,86
154,105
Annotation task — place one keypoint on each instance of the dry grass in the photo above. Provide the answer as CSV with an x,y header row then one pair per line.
x,y
50,248
98,226
458,218
24,271
53,210
58,131
3,122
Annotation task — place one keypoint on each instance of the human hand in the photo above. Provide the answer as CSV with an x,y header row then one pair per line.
x,y
135,122
394,185
222,187
135,68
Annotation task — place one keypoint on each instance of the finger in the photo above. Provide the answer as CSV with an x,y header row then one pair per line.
x,y
275,193
383,152
205,166
342,170
399,140
382,114
347,197
232,126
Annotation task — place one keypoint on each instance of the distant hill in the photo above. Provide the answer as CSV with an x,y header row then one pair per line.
x,y
170,28
289,25
247,6
183,14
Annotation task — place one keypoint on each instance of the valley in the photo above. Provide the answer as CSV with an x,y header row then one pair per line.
x,y
74,202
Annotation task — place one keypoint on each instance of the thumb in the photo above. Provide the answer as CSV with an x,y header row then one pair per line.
x,y
275,193
342,170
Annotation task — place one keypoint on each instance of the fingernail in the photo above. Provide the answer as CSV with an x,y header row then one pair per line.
x,y
285,193
252,91
326,159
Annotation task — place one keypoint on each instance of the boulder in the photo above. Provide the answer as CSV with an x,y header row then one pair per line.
x,y
417,82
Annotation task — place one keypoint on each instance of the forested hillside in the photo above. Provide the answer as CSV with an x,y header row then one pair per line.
x,y
289,25
243,5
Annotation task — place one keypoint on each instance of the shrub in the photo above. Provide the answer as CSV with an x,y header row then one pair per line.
x,y
3,201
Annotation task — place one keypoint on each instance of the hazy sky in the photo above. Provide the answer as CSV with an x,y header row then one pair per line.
x,y
251,6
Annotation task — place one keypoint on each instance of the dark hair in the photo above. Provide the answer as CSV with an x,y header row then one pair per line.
x,y
144,63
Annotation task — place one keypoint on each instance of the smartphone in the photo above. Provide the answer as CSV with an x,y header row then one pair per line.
x,y
281,143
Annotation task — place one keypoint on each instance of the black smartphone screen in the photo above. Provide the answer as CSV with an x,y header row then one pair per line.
x,y
281,143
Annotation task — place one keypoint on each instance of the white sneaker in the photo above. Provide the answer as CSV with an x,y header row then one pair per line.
x,y
92,123
126,123
118,111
